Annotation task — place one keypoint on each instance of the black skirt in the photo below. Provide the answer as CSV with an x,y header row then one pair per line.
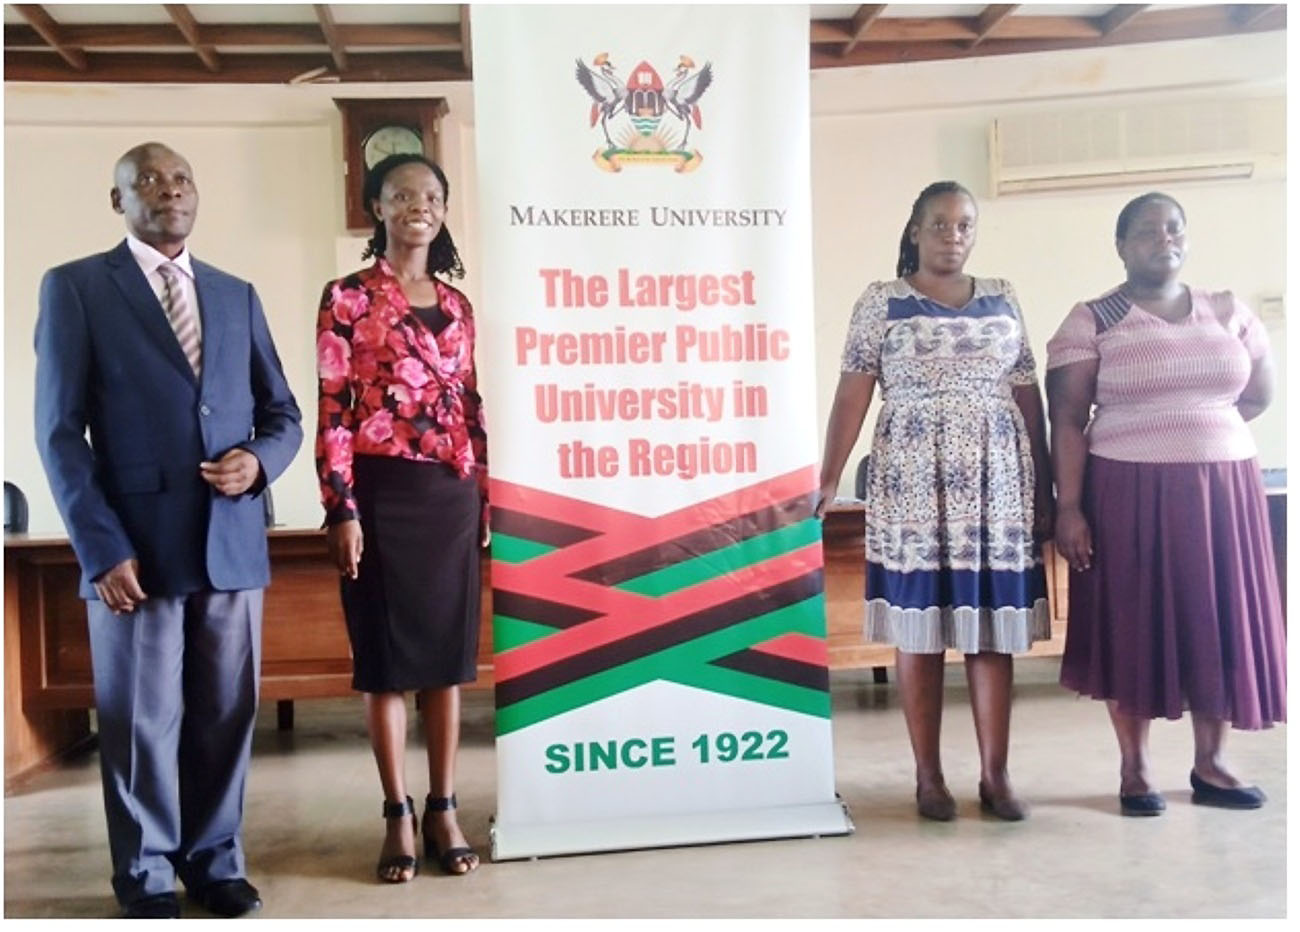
x,y
413,611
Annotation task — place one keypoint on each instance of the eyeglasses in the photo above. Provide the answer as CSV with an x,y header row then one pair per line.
x,y
149,181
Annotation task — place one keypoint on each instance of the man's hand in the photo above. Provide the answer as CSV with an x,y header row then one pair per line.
x,y
119,588
233,474
345,544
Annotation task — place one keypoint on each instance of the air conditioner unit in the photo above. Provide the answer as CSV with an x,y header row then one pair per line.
x,y
1138,145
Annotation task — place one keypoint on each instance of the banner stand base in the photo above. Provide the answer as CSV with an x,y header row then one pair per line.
x,y
515,840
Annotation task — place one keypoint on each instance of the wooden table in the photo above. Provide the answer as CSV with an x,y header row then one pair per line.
x,y
305,654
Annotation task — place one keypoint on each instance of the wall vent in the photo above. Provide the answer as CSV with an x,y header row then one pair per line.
x,y
1139,145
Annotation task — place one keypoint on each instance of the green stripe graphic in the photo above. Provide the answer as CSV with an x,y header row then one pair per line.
x,y
687,664
729,559
510,632
510,549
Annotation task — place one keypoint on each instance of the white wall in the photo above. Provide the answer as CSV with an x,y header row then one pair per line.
x,y
269,167
880,135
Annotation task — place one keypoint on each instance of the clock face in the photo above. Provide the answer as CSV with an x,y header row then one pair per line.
x,y
391,140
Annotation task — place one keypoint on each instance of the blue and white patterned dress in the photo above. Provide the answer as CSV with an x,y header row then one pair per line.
x,y
951,560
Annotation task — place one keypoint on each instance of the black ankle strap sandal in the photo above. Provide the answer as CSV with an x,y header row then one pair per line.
x,y
391,869
448,860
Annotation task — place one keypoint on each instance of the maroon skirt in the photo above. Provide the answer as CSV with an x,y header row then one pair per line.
x,y
1180,609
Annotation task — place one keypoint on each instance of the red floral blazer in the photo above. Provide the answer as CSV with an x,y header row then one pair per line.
x,y
389,387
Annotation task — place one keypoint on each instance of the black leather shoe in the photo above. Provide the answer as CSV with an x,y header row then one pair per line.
x,y
1007,808
229,898
937,805
158,906
1238,797
1141,804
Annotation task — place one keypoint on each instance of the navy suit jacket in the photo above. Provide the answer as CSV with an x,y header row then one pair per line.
x,y
107,360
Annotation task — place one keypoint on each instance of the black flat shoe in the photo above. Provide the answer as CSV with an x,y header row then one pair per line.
x,y
158,906
229,898
1237,797
401,863
940,807
449,859
1008,808
1141,804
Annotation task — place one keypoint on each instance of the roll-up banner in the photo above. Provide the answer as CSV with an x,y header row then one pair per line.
x,y
646,349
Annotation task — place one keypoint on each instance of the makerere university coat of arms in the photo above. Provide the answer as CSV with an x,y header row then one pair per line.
x,y
644,120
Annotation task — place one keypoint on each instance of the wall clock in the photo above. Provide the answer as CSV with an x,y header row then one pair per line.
x,y
376,127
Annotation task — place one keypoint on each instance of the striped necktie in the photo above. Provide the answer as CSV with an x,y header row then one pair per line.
x,y
182,317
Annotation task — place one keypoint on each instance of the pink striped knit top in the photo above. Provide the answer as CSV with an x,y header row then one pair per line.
x,y
1166,391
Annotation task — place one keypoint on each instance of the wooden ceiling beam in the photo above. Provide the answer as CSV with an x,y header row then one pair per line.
x,y
51,33
824,31
274,68
101,37
466,53
1118,15
902,29
1048,28
331,34
993,14
441,36
866,14
189,27
1155,26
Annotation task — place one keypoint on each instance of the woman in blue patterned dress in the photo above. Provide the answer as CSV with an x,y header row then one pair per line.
x,y
958,485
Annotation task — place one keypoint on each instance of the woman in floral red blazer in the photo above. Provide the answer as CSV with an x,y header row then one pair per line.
x,y
388,387
401,455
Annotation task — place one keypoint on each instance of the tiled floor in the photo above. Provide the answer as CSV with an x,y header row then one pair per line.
x,y
313,831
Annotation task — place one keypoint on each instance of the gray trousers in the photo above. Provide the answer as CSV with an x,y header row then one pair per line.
x,y
176,692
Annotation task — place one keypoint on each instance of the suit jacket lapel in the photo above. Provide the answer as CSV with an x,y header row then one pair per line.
x,y
143,304
211,300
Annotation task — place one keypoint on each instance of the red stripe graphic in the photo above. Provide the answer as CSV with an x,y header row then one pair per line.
x,y
798,647
631,614
627,613
630,530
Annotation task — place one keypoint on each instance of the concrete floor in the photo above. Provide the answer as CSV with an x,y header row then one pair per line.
x,y
313,831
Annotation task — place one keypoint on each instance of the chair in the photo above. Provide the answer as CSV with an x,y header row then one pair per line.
x,y
15,510
860,479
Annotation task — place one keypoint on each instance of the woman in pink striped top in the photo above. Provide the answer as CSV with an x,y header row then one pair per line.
x,y
1161,512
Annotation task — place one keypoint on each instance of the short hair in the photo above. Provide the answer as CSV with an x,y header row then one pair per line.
x,y
1134,207
909,254
443,257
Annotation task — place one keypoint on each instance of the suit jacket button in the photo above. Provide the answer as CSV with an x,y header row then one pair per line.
x,y
204,410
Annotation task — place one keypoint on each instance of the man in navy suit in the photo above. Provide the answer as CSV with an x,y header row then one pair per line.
x,y
170,365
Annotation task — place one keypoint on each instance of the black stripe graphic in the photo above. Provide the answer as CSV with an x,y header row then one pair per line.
x,y
687,628
539,530
539,611
769,666
697,543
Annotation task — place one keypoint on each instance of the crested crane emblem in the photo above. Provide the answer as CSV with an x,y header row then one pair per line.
x,y
643,120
